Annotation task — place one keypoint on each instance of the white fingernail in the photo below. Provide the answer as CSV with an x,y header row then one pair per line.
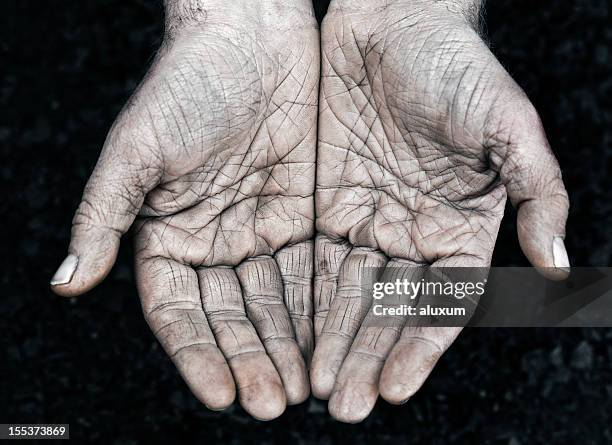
x,y
560,254
65,271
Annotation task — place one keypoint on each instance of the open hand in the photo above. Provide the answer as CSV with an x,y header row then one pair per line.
x,y
214,155
422,136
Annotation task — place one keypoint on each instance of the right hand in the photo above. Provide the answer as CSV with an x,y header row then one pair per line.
x,y
215,155
422,135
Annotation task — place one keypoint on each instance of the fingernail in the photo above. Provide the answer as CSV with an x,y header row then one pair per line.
x,y
560,254
65,271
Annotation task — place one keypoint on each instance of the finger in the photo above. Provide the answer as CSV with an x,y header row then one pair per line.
x,y
532,178
171,304
419,348
295,265
260,388
412,359
111,200
356,389
263,295
343,320
329,256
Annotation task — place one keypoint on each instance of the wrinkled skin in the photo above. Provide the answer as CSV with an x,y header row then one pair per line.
x,y
214,156
422,136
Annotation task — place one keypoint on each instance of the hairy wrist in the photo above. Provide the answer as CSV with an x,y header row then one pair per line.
x,y
465,10
206,10
376,4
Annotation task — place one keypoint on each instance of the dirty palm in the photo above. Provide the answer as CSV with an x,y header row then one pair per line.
x,y
214,156
422,137
422,134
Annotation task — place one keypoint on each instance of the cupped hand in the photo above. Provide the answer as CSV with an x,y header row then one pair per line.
x,y
214,156
422,136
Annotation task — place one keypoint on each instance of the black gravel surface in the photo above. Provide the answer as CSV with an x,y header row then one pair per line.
x,y
66,69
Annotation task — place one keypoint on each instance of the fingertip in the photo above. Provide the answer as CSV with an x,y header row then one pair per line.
x,y
292,370
66,270
391,386
540,227
264,400
260,389
322,382
395,393
207,375
221,399
83,279
220,391
93,252
60,282
546,252
560,259
553,273
297,389
405,371
353,402
329,354
324,368
297,394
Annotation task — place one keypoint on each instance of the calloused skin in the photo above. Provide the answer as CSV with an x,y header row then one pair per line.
x,y
214,156
422,137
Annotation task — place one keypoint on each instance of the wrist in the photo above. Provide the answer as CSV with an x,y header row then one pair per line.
x,y
201,11
464,10
423,4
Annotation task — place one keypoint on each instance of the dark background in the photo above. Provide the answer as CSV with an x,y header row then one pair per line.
x,y
66,69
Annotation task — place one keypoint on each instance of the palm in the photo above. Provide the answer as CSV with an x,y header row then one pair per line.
x,y
227,117
417,124
237,185
215,154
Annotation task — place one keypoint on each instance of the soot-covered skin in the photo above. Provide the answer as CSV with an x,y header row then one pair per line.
x,y
422,137
214,156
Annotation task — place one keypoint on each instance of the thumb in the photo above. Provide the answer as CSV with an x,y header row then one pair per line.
x,y
533,181
112,198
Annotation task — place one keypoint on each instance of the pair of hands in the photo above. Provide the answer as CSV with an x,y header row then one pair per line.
x,y
257,154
